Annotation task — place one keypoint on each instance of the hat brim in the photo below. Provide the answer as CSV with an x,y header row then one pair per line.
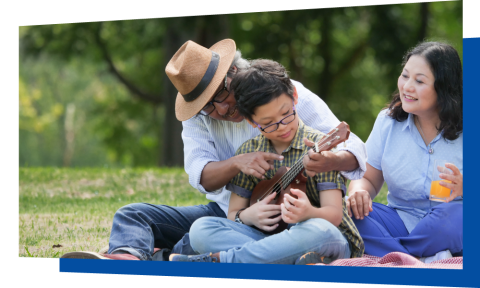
x,y
185,110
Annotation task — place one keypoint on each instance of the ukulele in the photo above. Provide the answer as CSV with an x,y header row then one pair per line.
x,y
287,178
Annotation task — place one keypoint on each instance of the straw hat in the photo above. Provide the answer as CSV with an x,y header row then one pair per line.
x,y
197,72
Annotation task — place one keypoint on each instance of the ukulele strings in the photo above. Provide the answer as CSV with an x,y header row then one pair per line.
x,y
296,167
286,178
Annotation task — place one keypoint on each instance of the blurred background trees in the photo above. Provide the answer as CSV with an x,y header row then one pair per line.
x,y
96,94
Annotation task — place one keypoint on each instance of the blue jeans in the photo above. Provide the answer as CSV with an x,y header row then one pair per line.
x,y
239,243
138,228
383,231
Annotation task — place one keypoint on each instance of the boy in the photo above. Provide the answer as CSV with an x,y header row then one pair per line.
x,y
319,223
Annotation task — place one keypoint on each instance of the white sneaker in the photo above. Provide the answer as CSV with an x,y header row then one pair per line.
x,y
439,256
104,250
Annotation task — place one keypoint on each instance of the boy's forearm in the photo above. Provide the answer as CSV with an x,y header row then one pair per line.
x,y
231,215
332,214
237,203
247,216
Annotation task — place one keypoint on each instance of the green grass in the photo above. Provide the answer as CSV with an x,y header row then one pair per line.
x,y
382,195
74,208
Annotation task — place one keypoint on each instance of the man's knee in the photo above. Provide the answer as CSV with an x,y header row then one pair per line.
x,y
130,208
134,206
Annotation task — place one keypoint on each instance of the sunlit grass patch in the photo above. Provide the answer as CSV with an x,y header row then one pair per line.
x,y
74,208
51,235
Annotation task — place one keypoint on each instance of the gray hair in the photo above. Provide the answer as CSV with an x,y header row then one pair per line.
x,y
238,62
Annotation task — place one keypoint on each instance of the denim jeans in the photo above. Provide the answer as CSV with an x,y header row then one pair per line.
x,y
138,228
239,243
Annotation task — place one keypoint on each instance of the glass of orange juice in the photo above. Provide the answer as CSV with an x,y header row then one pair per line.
x,y
437,192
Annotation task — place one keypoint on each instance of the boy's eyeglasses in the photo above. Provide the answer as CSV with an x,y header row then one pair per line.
x,y
273,127
221,96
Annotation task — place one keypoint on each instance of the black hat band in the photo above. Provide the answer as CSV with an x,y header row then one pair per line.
x,y
207,78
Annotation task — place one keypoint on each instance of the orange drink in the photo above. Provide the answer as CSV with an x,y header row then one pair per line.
x,y
439,193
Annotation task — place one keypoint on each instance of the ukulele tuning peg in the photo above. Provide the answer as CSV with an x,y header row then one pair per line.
x,y
338,137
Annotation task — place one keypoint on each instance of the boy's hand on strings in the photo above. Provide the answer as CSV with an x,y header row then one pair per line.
x,y
296,210
457,181
259,214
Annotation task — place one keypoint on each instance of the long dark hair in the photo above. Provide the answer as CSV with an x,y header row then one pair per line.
x,y
447,70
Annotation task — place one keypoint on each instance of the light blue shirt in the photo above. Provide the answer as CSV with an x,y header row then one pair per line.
x,y
398,150
208,140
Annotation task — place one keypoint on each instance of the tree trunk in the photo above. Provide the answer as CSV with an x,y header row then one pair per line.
x,y
424,13
325,50
69,135
179,32
172,148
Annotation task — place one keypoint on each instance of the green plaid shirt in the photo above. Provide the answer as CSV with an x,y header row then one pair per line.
x,y
243,184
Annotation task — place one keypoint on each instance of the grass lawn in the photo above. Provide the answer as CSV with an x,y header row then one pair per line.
x,y
74,208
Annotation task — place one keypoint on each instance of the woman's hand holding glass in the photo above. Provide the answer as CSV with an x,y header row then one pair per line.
x,y
456,180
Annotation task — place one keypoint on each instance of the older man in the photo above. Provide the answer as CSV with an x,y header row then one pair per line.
x,y
212,131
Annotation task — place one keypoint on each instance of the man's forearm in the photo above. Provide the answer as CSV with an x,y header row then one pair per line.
x,y
217,174
345,161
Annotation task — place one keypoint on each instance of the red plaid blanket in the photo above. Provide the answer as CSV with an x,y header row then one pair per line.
x,y
398,259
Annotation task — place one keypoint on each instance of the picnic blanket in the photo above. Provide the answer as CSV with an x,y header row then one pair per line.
x,y
398,259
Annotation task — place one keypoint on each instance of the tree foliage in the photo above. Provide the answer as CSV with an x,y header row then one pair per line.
x,y
113,73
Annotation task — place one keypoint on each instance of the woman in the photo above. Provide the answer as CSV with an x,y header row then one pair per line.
x,y
422,123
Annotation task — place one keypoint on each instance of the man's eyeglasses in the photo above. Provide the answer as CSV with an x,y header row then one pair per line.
x,y
218,98
273,127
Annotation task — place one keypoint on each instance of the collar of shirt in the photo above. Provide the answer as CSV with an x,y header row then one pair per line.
x,y
297,141
410,123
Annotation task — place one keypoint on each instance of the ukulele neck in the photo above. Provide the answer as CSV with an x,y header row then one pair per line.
x,y
326,143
